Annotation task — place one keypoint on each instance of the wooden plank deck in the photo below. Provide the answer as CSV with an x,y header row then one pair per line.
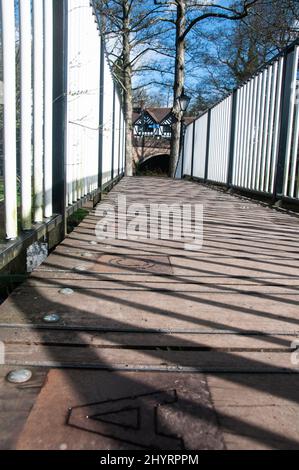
x,y
225,316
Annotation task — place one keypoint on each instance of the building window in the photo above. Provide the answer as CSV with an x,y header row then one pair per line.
x,y
167,129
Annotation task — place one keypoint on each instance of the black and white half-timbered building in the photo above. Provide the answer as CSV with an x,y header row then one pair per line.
x,y
153,122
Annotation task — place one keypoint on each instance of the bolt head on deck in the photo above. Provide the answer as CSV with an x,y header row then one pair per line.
x,y
81,268
19,376
52,318
66,291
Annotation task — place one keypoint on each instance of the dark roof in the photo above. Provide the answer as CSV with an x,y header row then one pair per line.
x,y
157,114
136,115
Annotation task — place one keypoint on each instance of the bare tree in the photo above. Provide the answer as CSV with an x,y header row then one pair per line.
x,y
185,15
138,30
235,54
131,28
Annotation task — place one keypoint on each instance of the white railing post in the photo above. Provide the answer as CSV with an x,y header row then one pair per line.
x,y
26,113
9,131
60,128
48,110
38,114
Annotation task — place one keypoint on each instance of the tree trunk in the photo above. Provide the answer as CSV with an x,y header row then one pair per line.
x,y
128,98
178,85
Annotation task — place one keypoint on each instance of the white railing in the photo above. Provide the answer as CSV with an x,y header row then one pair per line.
x,y
250,139
257,130
220,123
93,130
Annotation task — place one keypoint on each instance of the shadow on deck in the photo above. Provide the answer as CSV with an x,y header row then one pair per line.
x,y
158,347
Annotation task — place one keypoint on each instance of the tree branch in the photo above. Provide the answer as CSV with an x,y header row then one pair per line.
x,y
235,16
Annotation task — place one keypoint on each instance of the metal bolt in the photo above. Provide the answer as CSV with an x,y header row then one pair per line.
x,y
19,376
52,318
66,291
88,255
93,242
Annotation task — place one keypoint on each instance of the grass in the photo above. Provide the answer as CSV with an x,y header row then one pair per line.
x,y
75,219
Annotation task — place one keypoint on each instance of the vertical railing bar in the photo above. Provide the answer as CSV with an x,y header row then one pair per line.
x,y
227,136
237,138
196,156
72,102
241,136
252,132
113,132
88,154
219,145
68,185
183,144
249,135
193,148
294,152
208,146
266,128
124,145
116,138
232,137
48,110
294,156
214,147
221,141
204,147
82,163
211,147
26,113
244,147
281,170
120,139
226,126
199,140
38,110
271,126
274,156
257,131
290,120
60,84
9,131
261,135
241,142
101,116
224,118
213,136
216,155
227,122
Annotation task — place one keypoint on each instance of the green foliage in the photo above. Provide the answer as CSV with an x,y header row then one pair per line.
x,y
75,219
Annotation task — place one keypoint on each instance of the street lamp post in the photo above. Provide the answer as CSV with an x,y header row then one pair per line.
x,y
184,101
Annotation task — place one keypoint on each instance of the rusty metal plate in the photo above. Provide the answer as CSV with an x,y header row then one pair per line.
x,y
119,264
94,263
89,410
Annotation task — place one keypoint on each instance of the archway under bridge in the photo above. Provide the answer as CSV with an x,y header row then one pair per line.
x,y
156,164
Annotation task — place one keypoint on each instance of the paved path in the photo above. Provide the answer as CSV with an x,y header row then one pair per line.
x,y
158,346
